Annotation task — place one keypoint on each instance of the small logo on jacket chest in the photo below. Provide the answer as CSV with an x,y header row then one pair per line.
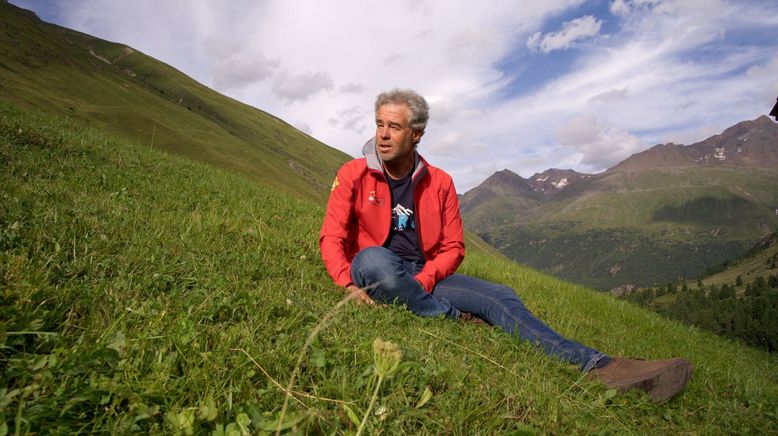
x,y
372,199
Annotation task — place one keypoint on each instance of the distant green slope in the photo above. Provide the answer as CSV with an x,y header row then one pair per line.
x,y
644,228
123,91
146,293
760,262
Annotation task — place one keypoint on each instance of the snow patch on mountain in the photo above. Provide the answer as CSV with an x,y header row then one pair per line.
x,y
560,184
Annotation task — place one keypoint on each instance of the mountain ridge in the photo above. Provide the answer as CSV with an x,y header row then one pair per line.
x,y
668,155
744,143
681,208
553,180
499,198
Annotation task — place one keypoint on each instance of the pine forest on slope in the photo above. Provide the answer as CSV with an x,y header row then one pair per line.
x,y
737,299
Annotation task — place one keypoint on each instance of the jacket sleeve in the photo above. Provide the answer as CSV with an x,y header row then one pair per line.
x,y
452,245
334,235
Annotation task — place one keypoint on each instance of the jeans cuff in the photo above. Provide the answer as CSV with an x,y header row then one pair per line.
x,y
598,360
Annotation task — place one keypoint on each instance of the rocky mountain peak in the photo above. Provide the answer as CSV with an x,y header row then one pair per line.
x,y
551,181
504,184
748,143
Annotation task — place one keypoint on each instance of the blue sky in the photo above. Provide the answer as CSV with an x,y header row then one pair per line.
x,y
523,85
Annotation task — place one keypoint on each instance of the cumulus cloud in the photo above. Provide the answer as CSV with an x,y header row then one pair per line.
x,y
625,7
234,72
236,66
353,119
599,145
301,87
393,59
611,95
619,7
655,78
352,88
572,31
766,72
303,128
454,144
441,109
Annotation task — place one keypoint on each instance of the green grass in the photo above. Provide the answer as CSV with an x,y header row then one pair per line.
x,y
142,292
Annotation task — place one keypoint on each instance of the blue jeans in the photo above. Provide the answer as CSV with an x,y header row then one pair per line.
x,y
390,280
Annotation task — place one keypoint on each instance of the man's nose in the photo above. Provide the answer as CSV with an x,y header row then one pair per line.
x,y
383,132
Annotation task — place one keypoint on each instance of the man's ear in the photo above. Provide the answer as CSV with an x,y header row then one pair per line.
x,y
417,134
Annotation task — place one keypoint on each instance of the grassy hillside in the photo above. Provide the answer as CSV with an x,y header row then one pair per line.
x,y
142,292
125,92
736,199
760,262
644,228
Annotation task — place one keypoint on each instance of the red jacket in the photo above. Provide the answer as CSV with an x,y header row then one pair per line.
x,y
359,215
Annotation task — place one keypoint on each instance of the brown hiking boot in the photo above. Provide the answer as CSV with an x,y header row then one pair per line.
x,y
660,379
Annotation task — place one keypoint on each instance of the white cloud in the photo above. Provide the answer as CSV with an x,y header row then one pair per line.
x,y
232,72
303,128
766,73
353,119
619,7
301,86
572,31
666,70
625,7
352,88
611,95
599,145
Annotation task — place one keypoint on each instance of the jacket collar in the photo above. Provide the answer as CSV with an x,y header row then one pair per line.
x,y
374,160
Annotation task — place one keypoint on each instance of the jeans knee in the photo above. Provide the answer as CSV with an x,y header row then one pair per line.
x,y
509,298
371,254
372,258
374,264
505,293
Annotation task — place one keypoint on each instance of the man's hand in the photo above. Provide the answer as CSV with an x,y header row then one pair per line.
x,y
361,296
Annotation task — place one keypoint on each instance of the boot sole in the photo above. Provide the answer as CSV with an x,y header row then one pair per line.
x,y
671,381
665,383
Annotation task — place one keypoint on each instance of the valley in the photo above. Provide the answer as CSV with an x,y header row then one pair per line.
x,y
667,213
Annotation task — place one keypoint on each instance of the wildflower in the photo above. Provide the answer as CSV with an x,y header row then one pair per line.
x,y
386,356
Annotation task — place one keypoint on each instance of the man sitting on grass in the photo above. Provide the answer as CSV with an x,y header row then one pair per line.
x,y
392,234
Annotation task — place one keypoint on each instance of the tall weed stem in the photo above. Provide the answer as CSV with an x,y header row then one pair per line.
x,y
315,332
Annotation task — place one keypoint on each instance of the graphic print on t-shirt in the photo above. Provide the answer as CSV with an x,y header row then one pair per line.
x,y
402,216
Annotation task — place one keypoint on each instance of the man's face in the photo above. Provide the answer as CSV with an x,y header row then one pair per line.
x,y
393,136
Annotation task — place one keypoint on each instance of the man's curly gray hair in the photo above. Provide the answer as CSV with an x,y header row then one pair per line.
x,y
418,110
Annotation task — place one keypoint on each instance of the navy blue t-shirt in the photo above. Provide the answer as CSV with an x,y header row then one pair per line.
x,y
403,239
